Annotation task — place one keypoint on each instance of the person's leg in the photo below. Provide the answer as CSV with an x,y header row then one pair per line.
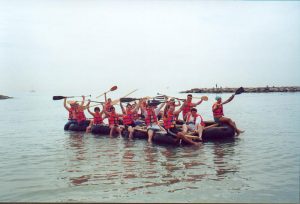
x,y
186,139
184,129
130,130
150,135
200,131
118,129
229,122
111,131
88,129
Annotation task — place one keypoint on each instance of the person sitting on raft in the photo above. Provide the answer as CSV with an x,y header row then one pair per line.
x,y
128,117
218,113
97,120
169,119
194,122
151,120
171,103
79,114
72,111
113,121
187,105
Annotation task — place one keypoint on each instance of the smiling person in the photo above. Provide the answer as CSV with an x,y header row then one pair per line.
x,y
218,113
193,122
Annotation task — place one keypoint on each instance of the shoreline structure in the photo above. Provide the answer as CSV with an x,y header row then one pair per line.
x,y
266,89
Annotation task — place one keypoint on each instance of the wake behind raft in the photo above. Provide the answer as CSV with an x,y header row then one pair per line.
x,y
219,133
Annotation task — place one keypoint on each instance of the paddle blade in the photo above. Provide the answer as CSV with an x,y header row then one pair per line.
x,y
204,98
239,91
113,88
127,100
58,97
154,102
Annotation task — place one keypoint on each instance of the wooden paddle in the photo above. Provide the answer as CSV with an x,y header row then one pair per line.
x,y
63,97
111,89
114,102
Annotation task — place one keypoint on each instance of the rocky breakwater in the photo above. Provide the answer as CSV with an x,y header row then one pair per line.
x,y
266,89
4,97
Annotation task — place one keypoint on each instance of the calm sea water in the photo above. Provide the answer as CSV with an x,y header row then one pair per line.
x,y
41,162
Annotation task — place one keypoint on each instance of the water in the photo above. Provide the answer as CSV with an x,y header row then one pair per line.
x,y
41,162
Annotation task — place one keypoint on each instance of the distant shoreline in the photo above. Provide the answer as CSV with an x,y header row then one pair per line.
x,y
266,89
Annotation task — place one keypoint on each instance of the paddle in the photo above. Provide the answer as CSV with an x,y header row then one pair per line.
x,y
111,89
239,91
63,97
114,102
94,101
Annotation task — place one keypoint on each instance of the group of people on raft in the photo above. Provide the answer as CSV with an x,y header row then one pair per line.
x,y
149,114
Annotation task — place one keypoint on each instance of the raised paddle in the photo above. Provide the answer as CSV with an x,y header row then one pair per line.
x,y
63,97
111,89
239,91
114,102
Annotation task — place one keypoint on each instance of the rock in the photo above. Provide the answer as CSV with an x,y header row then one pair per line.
x,y
266,89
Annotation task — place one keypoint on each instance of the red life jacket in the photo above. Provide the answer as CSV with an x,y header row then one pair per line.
x,y
113,119
169,121
218,111
187,108
135,116
80,115
71,111
151,118
107,107
98,118
188,119
128,118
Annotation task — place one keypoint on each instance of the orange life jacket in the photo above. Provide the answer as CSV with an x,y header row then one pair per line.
x,y
128,118
218,111
98,118
113,119
169,121
151,118
187,108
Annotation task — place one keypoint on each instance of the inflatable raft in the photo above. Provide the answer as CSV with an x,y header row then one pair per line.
x,y
74,126
219,133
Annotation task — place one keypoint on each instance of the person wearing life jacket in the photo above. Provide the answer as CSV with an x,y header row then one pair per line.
x,y
188,105
72,109
218,113
129,116
170,125
80,116
97,120
113,121
194,122
150,112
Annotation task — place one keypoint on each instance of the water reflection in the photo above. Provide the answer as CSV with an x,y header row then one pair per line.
x,y
140,166
223,152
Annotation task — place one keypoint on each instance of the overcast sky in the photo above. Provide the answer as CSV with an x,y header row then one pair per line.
x,y
82,46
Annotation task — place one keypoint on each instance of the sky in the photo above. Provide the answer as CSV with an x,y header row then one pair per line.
x,y
87,46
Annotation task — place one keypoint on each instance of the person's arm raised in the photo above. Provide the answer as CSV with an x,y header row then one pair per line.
x,y
65,104
88,109
229,99
122,108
